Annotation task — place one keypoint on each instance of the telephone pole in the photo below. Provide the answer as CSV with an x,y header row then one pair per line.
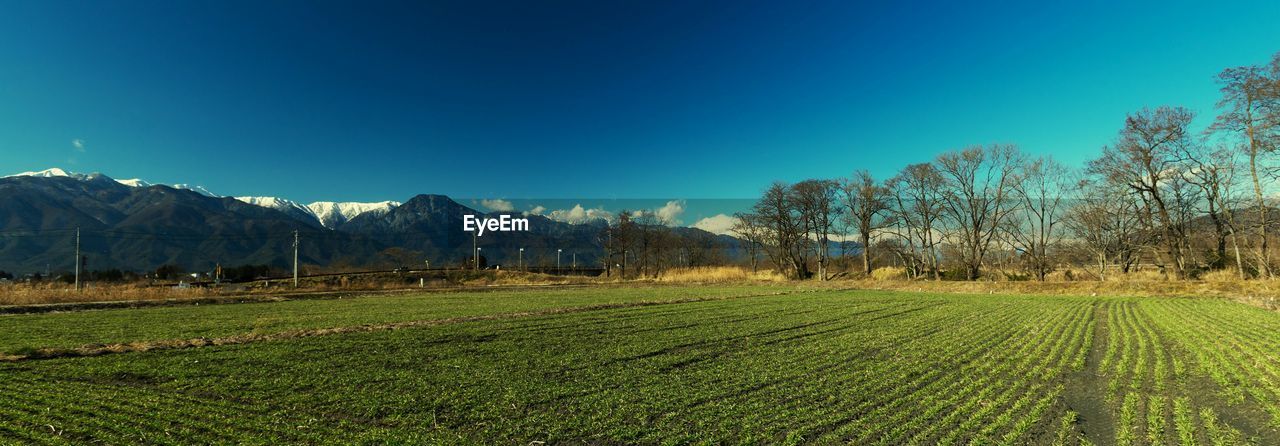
x,y
295,258
77,258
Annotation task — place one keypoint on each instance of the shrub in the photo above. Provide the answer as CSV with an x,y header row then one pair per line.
x,y
1064,275
889,273
704,274
716,274
1221,275
1146,275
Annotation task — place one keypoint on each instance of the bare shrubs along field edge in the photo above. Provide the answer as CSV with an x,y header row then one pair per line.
x,y
763,363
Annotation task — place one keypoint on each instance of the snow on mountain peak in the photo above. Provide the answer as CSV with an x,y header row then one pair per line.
x,y
197,189
289,207
47,173
274,202
331,214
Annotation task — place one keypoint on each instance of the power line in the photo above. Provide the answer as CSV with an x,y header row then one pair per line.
x,y
77,259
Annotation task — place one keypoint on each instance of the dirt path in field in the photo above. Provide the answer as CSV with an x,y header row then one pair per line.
x,y
173,344
1084,390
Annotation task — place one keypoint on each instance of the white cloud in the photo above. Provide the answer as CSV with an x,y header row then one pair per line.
x,y
716,224
669,214
498,205
578,215
78,144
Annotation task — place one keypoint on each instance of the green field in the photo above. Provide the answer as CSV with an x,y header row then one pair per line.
x,y
657,365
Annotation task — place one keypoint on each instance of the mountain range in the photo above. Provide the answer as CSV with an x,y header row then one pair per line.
x,y
137,225
325,213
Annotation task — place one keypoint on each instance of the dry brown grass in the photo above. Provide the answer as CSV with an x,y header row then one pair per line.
x,y
26,294
1221,276
889,273
1222,284
1262,293
718,274
523,278
56,293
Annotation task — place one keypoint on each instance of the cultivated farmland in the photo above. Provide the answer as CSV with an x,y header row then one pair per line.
x,y
673,365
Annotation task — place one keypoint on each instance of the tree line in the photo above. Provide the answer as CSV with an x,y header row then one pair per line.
x,y
1161,195
640,244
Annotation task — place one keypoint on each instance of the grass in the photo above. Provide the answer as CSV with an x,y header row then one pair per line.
x,y
60,292
77,328
748,366
55,292
718,274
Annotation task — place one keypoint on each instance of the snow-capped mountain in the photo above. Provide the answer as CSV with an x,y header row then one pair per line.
x,y
333,214
292,208
197,231
329,214
135,182
194,188
49,173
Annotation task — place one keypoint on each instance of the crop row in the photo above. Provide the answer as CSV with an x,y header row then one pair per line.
x,y
825,367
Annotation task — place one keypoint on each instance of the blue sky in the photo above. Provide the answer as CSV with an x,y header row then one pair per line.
x,y
358,101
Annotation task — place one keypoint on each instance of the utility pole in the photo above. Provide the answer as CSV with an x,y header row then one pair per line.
x,y
77,258
521,262
558,260
295,258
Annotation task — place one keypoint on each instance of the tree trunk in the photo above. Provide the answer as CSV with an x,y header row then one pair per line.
x,y
1239,263
1102,267
1265,262
1220,231
866,254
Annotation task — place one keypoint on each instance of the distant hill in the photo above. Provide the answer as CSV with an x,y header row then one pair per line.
x,y
139,226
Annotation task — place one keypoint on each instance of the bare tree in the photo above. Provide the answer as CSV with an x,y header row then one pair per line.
x,y
1145,158
976,198
864,202
1184,204
784,229
1105,220
1250,107
750,229
1039,193
916,193
619,237
1213,172
815,201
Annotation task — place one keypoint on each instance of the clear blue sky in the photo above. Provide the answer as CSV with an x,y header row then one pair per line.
x,y
382,100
